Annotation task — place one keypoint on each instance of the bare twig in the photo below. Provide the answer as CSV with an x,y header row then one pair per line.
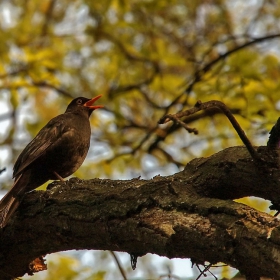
x,y
119,265
170,158
215,103
145,138
203,272
2,170
176,119
48,15
47,85
133,260
122,89
147,97
136,148
200,72
13,73
129,55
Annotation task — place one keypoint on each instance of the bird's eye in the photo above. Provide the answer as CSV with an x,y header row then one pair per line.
x,y
79,101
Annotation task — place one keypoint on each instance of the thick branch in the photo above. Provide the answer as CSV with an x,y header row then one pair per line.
x,y
175,216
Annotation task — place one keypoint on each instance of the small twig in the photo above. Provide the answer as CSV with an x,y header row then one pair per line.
x,y
147,97
200,72
2,170
203,272
123,89
129,55
119,265
133,260
47,85
14,73
175,119
134,150
170,157
48,16
215,103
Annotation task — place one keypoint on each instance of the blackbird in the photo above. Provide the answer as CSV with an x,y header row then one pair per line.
x,y
56,152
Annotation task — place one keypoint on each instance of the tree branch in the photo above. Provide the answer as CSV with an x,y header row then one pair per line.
x,y
186,215
44,84
210,104
202,71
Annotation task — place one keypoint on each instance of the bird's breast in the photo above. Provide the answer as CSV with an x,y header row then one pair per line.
x,y
68,154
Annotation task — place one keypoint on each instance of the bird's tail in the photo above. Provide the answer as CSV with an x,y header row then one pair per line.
x,y
9,203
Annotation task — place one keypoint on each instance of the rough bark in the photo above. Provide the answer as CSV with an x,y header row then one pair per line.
x,y
187,215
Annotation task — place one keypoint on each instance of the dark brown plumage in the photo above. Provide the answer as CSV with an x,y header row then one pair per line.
x,y
56,152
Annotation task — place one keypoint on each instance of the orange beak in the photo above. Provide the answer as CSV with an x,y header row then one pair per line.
x,y
91,102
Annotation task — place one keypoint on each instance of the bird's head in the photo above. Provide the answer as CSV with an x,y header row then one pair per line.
x,y
83,104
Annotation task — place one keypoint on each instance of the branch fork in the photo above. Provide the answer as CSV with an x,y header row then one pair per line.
x,y
207,105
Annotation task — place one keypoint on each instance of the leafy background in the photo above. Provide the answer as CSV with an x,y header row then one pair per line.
x,y
147,58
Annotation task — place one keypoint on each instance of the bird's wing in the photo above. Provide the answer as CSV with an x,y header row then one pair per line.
x,y
46,137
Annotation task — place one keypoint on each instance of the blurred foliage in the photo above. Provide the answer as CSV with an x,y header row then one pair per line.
x,y
147,58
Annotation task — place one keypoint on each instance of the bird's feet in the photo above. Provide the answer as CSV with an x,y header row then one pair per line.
x,y
58,176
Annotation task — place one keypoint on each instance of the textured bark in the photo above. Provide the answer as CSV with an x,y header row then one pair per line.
x,y
186,215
